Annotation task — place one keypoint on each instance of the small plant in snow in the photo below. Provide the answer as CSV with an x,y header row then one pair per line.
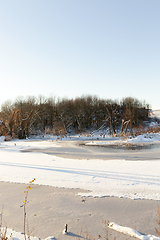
x,y
3,231
158,221
24,204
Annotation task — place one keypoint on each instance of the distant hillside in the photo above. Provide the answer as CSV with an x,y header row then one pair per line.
x,y
156,113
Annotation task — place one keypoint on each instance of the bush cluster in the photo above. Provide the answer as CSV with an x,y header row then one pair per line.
x,y
39,115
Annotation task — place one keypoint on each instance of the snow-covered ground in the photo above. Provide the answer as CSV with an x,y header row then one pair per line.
x,y
145,138
13,235
121,178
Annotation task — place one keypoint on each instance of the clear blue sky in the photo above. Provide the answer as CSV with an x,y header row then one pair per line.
x,y
70,48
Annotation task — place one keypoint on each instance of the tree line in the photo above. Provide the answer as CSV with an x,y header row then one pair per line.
x,y
26,116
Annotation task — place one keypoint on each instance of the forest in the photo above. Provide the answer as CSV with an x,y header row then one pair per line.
x,y
32,116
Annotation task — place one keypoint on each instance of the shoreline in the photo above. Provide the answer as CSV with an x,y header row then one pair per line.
x,y
119,151
125,145
50,208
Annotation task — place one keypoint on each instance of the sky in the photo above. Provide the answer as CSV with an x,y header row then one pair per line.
x,y
68,48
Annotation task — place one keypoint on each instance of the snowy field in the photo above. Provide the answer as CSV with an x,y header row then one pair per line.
x,y
121,178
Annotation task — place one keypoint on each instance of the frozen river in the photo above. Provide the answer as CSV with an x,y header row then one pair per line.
x,y
79,150
130,172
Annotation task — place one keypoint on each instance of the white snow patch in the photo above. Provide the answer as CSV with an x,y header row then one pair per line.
x,y
145,138
131,232
13,235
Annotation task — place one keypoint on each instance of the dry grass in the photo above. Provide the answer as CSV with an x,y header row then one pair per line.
x,y
3,231
141,130
158,221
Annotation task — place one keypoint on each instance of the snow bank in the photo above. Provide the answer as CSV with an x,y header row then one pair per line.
x,y
131,232
13,235
145,138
